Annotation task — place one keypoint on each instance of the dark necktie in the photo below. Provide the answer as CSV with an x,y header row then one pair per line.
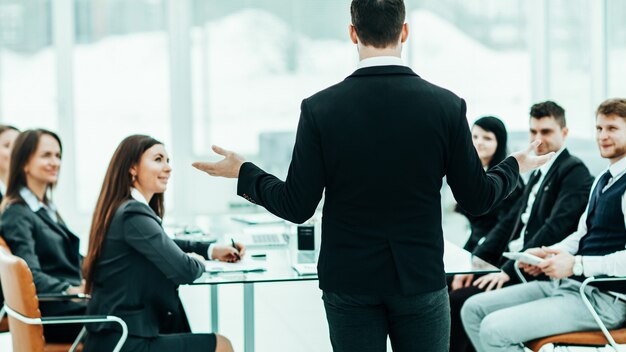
x,y
534,178
602,182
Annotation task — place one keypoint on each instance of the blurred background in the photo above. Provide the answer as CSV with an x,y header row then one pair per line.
x,y
193,73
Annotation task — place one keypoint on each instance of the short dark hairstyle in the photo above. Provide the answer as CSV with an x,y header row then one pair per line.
x,y
549,109
378,23
613,106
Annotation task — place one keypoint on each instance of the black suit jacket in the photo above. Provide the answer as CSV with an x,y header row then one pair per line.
x,y
379,144
49,248
480,225
560,201
137,275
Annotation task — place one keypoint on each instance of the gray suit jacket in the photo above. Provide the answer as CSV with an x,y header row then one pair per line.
x,y
139,270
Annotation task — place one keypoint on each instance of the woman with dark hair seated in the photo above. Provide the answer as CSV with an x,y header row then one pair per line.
x,y
133,268
490,140
8,135
34,230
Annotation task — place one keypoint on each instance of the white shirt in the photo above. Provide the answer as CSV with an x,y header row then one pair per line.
x,y
518,244
35,204
613,264
3,188
134,192
381,61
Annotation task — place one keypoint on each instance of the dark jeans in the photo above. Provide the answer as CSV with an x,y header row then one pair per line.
x,y
413,323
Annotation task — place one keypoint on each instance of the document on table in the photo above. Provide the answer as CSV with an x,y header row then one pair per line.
x,y
243,266
258,219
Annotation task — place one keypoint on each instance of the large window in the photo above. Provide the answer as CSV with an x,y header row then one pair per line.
x,y
616,41
27,65
121,83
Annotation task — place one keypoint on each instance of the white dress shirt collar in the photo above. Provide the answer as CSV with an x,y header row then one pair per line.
x,y
546,167
618,169
35,204
381,61
3,188
134,192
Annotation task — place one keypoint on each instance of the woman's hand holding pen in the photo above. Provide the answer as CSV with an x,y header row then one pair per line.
x,y
226,253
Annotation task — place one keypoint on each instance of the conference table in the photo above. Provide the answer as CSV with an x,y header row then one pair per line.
x,y
278,268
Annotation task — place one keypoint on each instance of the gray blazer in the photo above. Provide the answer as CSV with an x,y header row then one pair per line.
x,y
137,275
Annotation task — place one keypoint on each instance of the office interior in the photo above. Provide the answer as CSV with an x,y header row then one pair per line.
x,y
194,73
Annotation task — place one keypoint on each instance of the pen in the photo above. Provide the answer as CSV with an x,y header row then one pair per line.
x,y
237,249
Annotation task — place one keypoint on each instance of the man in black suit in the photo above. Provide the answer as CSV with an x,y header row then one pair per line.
x,y
551,204
379,144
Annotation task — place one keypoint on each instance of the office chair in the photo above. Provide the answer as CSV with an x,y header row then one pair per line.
x,y
4,320
21,303
599,338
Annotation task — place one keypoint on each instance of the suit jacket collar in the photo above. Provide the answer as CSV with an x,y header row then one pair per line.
x,y
564,155
57,226
383,70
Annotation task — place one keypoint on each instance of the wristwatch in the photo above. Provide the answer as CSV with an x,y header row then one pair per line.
x,y
578,265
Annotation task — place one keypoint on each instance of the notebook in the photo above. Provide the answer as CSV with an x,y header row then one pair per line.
x,y
244,266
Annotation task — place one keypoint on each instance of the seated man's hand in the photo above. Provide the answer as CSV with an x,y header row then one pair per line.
x,y
491,281
559,266
229,254
461,281
532,269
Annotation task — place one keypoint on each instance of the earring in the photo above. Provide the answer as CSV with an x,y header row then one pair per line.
x,y
134,178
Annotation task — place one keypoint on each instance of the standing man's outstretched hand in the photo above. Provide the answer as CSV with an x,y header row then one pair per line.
x,y
228,167
528,161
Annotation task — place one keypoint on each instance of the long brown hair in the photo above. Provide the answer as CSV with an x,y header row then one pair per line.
x,y
24,148
115,191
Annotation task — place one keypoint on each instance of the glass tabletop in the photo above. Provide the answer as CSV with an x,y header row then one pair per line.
x,y
278,265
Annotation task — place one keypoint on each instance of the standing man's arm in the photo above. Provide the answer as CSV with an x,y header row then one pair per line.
x,y
294,199
477,191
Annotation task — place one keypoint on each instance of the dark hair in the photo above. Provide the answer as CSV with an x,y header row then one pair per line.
x,y
24,148
496,126
378,22
4,128
115,191
549,109
613,106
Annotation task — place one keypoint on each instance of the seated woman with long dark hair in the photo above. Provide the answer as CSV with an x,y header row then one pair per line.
x,y
490,137
133,268
34,230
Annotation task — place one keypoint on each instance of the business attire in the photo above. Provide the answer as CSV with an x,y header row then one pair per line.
x,y
34,232
548,209
136,278
3,190
481,225
501,320
379,144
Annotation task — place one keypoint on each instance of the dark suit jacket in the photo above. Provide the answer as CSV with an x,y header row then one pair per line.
x,y
560,201
139,270
480,225
379,144
49,248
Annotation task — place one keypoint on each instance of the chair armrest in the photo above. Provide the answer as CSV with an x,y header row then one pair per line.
x,y
78,319
74,319
50,297
590,308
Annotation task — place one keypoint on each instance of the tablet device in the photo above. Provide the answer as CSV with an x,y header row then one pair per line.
x,y
526,258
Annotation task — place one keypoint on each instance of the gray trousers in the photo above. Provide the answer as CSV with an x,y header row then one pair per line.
x,y
502,320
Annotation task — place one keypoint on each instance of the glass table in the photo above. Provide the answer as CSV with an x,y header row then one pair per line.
x,y
278,264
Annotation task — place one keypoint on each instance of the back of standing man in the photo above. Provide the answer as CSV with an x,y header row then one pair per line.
x,y
379,143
